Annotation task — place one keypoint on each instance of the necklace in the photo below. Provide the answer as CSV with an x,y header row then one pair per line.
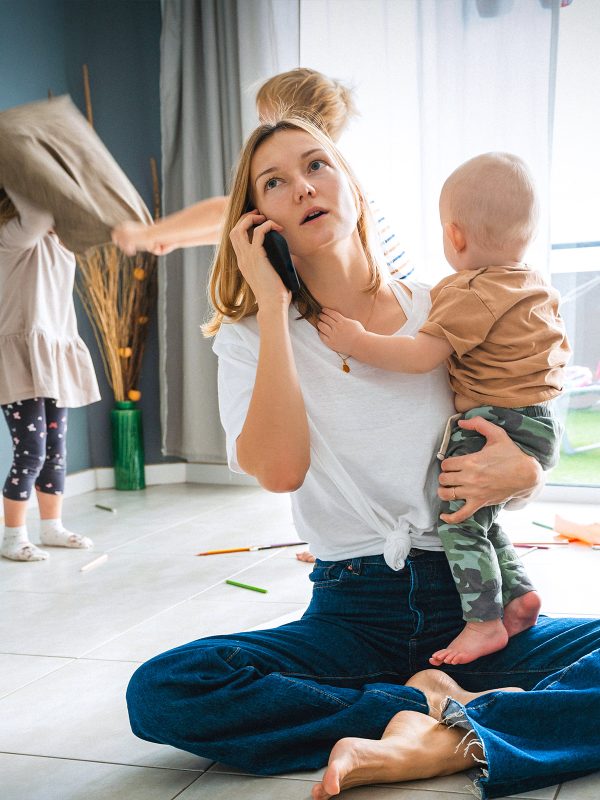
x,y
345,365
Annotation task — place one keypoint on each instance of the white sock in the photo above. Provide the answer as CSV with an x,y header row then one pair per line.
x,y
54,534
17,547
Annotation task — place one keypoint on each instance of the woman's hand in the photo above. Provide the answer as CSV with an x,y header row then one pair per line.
x,y
495,474
338,332
247,238
134,236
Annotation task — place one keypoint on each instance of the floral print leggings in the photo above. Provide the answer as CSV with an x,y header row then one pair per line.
x,y
38,429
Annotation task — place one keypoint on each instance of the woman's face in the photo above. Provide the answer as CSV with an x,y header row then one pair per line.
x,y
296,183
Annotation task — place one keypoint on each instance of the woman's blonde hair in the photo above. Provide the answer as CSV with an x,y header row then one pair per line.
x,y
230,295
305,92
7,208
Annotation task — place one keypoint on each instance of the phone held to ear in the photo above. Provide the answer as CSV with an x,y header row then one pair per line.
x,y
278,254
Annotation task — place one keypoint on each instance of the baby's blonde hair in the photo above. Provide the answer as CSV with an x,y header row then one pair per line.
x,y
493,197
230,295
7,208
328,103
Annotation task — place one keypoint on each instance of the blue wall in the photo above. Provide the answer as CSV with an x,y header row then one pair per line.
x,y
43,44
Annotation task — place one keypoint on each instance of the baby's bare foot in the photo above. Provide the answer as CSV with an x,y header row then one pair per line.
x,y
438,687
521,613
475,640
413,747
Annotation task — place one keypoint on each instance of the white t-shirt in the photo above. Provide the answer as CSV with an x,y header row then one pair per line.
x,y
372,483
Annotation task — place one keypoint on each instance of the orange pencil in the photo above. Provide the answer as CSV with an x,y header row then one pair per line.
x,y
252,548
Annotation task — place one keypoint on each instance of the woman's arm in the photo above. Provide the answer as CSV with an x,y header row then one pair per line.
x,y
497,473
24,231
274,444
195,225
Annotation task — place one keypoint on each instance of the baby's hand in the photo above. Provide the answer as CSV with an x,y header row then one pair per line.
x,y
338,332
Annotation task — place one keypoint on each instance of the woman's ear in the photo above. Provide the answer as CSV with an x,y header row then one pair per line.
x,y
455,236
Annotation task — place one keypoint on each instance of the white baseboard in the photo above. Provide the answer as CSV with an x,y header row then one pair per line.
x,y
217,473
89,480
554,493
81,482
159,474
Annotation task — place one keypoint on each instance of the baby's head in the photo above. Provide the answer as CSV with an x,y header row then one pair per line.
x,y
489,211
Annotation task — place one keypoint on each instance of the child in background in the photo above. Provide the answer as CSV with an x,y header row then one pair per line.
x,y
44,368
329,104
496,324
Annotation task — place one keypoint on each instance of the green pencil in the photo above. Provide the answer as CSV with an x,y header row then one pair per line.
x,y
541,525
247,586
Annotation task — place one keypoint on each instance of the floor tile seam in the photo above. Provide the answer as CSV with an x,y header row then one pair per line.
x,y
216,769
556,795
380,786
68,660
77,593
28,655
175,605
145,620
222,771
100,761
236,574
108,660
153,532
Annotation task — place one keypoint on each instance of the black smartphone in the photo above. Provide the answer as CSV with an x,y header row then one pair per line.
x,y
278,254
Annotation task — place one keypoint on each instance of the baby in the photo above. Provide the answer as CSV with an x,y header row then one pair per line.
x,y
495,322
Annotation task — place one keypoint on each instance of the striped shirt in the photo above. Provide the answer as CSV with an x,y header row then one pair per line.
x,y
398,262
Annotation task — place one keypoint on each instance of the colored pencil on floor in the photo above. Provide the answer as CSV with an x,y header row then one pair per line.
x,y
250,549
247,586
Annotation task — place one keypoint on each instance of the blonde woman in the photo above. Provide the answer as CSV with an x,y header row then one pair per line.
x,y
44,369
330,105
353,449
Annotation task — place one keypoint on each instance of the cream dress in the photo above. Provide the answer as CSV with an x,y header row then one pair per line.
x,y
41,353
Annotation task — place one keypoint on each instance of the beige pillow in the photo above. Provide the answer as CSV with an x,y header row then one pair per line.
x,y
51,156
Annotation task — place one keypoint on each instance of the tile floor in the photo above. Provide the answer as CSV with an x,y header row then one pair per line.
x,y
69,640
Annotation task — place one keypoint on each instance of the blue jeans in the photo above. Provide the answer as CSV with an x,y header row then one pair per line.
x,y
277,700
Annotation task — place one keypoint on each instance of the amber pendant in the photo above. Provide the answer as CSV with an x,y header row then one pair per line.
x,y
345,367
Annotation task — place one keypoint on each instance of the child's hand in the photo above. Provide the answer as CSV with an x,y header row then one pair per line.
x,y
338,332
127,236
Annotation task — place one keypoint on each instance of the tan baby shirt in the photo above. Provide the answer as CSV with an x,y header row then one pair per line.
x,y
509,340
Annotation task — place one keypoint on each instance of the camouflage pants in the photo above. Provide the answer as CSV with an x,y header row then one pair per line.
x,y
485,566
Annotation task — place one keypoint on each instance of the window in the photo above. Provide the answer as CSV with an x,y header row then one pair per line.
x,y
575,236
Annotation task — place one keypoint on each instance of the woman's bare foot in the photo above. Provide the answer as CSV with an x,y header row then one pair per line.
x,y
413,747
475,640
521,613
438,687
307,556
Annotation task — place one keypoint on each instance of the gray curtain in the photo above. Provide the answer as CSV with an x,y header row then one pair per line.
x,y
213,54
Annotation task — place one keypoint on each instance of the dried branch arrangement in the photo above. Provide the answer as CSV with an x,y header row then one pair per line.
x,y
118,293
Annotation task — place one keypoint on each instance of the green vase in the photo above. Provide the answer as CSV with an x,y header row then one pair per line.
x,y
128,446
